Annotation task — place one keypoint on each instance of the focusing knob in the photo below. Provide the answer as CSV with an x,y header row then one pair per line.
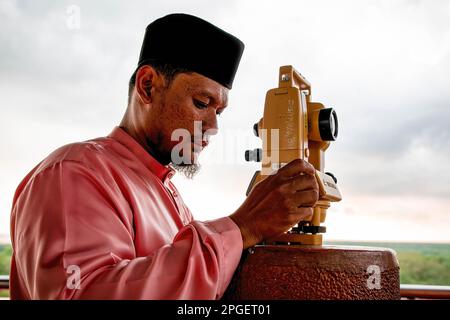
x,y
255,129
247,155
332,176
253,155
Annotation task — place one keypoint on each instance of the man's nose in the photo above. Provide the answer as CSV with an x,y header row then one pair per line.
x,y
210,123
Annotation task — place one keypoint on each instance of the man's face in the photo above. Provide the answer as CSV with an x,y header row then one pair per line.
x,y
192,103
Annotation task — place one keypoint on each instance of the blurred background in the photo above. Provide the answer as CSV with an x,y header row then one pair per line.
x,y
383,65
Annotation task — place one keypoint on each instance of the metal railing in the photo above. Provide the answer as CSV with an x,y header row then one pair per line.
x,y
418,291
4,282
408,291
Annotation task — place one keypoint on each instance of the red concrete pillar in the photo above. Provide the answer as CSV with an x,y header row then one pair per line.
x,y
316,272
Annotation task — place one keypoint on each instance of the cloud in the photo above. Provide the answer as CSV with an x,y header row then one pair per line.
x,y
383,65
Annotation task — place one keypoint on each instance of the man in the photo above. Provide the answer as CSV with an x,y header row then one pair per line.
x,y
101,219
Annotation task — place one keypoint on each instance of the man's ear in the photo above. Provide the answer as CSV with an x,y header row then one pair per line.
x,y
146,80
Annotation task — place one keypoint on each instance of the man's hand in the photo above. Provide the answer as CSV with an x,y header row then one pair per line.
x,y
278,203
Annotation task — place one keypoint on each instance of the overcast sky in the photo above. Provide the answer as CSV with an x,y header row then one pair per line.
x,y
383,65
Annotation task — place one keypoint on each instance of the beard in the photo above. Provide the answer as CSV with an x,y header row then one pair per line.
x,y
188,170
187,162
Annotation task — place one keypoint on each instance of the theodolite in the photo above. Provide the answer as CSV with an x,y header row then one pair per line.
x,y
295,265
294,127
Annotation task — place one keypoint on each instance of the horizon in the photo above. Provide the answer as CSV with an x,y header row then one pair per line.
x,y
5,240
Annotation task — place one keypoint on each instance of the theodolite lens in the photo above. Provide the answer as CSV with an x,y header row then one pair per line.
x,y
328,124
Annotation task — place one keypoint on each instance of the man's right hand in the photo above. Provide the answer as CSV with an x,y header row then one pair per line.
x,y
278,203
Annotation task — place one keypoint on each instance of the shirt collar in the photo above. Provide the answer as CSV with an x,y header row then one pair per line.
x,y
161,171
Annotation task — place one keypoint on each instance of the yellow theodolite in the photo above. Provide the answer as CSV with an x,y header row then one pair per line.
x,y
293,127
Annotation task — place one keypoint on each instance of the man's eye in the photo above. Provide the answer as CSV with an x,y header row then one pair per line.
x,y
200,105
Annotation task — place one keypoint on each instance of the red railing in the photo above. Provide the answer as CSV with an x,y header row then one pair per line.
x,y
408,291
417,291
4,282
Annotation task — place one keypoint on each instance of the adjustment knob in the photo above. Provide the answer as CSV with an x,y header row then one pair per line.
x,y
253,155
332,176
255,129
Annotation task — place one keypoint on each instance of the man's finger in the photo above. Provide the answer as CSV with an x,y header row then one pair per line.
x,y
295,168
307,198
301,214
302,183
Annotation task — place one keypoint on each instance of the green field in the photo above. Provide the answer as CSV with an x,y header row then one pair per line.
x,y
5,259
420,263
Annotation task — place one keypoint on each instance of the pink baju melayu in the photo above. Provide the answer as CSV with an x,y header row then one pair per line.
x,y
101,219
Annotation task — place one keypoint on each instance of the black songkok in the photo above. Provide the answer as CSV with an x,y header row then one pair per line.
x,y
188,42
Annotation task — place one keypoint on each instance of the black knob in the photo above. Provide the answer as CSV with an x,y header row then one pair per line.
x,y
332,176
253,155
247,155
255,129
